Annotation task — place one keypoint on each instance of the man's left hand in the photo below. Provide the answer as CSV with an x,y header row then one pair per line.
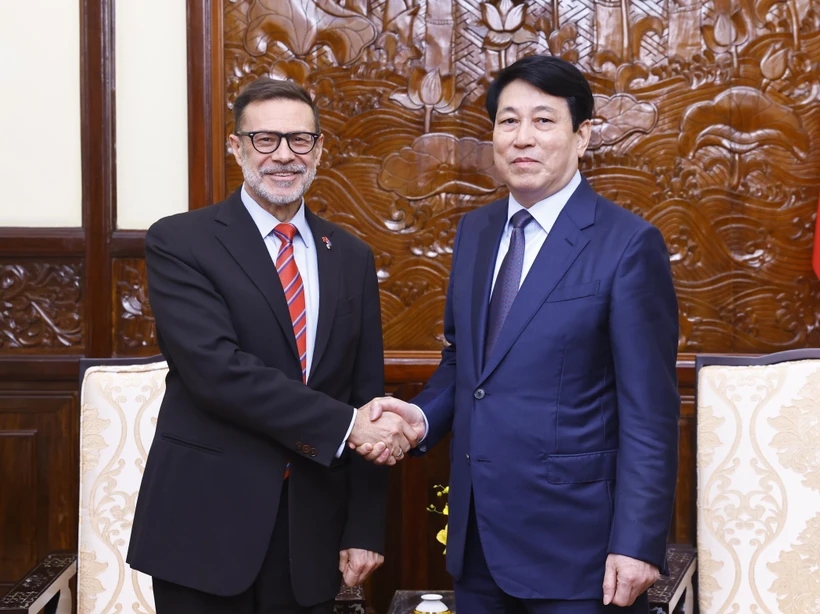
x,y
626,579
356,565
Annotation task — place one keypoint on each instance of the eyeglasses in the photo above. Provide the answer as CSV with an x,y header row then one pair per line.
x,y
268,142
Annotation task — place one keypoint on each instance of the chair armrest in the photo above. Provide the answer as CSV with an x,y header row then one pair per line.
x,y
41,586
665,594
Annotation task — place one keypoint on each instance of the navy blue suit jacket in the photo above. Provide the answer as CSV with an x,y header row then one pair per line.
x,y
568,435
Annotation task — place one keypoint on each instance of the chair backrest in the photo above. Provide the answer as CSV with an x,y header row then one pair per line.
x,y
758,483
119,406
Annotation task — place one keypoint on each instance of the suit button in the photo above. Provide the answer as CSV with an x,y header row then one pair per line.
x,y
313,451
299,447
479,394
468,457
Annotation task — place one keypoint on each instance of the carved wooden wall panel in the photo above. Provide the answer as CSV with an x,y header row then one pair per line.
x,y
707,123
134,330
41,306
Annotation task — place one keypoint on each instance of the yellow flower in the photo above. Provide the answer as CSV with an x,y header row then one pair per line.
x,y
441,536
441,491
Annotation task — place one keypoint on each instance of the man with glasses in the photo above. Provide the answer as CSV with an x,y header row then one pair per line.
x,y
269,318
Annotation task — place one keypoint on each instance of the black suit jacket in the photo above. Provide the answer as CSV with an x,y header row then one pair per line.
x,y
236,411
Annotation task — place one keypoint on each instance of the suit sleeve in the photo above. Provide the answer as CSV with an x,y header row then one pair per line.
x,y
367,501
437,400
644,336
198,337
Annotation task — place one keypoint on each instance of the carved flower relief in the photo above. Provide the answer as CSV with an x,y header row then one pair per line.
x,y
437,163
727,29
707,582
430,91
617,117
93,442
301,25
798,433
797,571
505,22
90,586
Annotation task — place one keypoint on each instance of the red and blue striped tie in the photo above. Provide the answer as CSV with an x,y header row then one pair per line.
x,y
294,290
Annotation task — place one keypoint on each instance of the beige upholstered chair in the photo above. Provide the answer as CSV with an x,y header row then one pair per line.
x,y
120,400
119,408
758,483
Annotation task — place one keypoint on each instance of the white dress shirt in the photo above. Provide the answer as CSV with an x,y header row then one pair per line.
x,y
304,253
545,213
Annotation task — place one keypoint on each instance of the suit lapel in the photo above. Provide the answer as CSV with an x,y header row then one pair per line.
x,y
240,236
489,238
563,245
329,264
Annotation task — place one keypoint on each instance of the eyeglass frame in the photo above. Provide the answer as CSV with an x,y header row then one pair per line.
x,y
282,136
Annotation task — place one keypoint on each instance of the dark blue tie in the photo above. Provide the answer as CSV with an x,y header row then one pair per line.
x,y
508,280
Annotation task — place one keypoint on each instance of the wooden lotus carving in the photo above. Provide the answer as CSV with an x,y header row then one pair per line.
x,y
431,92
740,121
301,25
619,116
440,163
505,26
705,124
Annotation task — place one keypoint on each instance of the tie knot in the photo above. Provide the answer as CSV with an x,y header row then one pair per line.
x,y
521,219
285,232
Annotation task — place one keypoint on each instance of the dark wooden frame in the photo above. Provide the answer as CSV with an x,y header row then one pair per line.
x,y
42,587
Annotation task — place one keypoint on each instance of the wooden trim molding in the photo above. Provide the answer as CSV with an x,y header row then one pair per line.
x,y
38,368
41,242
127,244
200,137
98,125
218,107
403,367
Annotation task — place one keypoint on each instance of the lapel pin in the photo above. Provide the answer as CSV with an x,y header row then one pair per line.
x,y
327,242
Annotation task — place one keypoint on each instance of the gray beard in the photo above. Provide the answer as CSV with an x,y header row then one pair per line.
x,y
255,180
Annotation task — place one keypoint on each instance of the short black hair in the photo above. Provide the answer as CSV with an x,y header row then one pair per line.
x,y
552,76
265,88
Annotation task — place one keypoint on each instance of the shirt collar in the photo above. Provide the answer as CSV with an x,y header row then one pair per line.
x,y
545,211
266,222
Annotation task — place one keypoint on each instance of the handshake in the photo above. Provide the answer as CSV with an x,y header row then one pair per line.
x,y
385,429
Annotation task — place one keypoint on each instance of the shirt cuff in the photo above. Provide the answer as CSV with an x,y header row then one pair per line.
x,y
426,424
349,430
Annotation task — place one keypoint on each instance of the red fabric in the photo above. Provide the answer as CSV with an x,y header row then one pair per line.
x,y
816,259
294,290
294,293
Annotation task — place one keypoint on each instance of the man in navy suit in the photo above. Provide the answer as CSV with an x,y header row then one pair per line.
x,y
558,382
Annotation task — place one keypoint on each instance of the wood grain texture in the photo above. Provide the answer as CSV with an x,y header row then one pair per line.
x,y
706,124
39,432
98,129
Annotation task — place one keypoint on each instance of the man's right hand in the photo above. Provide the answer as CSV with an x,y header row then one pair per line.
x,y
390,432
381,408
